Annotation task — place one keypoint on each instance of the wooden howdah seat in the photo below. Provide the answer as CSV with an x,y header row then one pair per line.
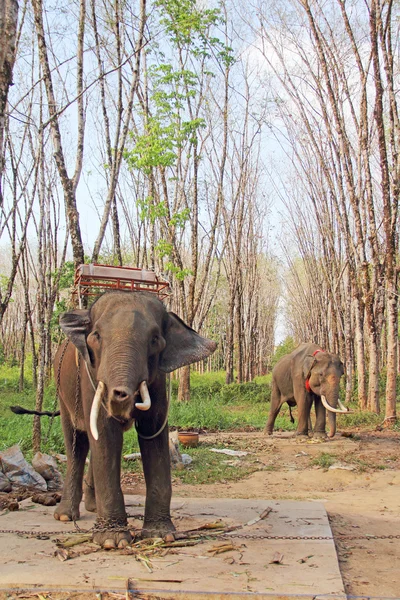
x,y
93,279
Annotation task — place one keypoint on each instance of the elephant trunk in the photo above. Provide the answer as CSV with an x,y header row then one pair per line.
x,y
330,403
332,424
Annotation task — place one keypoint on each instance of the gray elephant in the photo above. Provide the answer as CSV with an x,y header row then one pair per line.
x,y
127,341
307,375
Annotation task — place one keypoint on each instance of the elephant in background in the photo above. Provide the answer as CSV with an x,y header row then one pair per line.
x,y
111,375
307,375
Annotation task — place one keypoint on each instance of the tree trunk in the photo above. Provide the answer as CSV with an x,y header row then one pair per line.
x,y
8,33
360,353
392,341
69,185
229,340
239,334
184,384
348,344
373,373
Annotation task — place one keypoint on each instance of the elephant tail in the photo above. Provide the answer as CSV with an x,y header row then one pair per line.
x,y
19,410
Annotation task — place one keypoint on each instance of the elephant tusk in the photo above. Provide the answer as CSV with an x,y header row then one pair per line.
x,y
343,407
330,408
94,411
144,392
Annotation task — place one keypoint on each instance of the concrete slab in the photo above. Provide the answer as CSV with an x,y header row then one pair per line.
x,y
309,568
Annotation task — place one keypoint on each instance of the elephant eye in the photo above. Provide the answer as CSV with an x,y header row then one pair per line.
x,y
96,335
154,340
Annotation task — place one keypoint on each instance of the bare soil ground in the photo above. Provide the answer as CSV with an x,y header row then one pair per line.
x,y
361,492
357,478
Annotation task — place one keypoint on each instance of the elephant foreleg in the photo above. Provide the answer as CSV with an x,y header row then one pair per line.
x,y
156,466
304,403
157,473
77,446
276,403
105,459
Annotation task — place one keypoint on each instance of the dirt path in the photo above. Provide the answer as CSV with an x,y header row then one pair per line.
x,y
361,492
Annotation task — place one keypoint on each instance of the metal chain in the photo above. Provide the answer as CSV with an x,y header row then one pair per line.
x,y
338,537
103,525
74,434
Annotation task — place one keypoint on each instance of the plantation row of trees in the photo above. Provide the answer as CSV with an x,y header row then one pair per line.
x,y
142,116
335,68
174,135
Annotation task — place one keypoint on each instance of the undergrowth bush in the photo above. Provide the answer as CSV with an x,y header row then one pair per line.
x,y
214,406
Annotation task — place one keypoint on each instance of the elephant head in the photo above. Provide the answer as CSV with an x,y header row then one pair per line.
x,y
125,338
322,372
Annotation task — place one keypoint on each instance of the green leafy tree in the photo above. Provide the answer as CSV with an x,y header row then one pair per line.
x,y
167,146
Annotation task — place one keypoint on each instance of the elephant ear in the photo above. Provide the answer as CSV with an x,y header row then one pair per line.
x,y
183,345
309,360
76,325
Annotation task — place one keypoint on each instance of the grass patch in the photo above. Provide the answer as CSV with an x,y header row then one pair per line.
x,y
211,467
216,406
206,466
17,429
324,460
359,419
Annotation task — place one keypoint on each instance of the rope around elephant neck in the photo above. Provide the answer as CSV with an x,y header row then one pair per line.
x,y
143,437
159,432
89,375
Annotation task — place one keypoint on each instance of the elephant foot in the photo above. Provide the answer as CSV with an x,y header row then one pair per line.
x,y
268,431
111,534
320,435
157,528
64,513
318,439
111,540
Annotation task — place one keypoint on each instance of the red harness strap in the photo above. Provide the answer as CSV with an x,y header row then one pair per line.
x,y
307,382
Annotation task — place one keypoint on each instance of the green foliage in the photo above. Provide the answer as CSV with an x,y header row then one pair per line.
x,y
324,460
156,148
67,275
60,307
151,210
163,248
285,347
179,218
209,467
359,418
180,274
216,406
188,24
203,412
17,429
171,124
